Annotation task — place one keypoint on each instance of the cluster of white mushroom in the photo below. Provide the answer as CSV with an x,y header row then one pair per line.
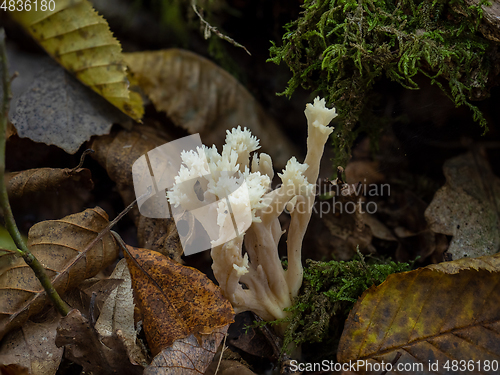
x,y
246,262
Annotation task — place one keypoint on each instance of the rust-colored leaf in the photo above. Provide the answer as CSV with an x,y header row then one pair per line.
x,y
59,245
176,301
435,314
187,356
97,355
203,98
33,181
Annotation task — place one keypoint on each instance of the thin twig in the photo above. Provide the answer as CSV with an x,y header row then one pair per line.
x,y
10,223
82,159
103,232
224,347
211,29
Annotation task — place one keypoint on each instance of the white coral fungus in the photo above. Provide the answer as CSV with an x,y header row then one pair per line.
x,y
255,279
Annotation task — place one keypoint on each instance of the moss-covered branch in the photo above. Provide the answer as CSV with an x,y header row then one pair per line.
x,y
340,48
328,292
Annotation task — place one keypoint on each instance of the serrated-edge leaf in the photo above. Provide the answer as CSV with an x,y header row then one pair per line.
x,y
75,35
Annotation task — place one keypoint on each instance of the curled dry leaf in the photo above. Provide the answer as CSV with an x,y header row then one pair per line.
x,y
187,356
175,301
203,98
467,207
97,355
59,246
117,153
80,40
446,311
33,347
118,314
34,181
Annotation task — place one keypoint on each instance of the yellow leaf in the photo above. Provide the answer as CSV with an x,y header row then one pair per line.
x,y
421,321
74,34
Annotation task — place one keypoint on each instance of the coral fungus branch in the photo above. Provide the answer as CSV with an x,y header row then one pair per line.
x,y
247,265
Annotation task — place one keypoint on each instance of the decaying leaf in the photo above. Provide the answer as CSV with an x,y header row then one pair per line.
x,y
230,367
13,370
80,40
438,313
176,301
57,110
247,338
187,356
118,314
203,98
33,346
338,235
467,207
59,246
160,235
90,295
97,355
117,153
36,194
34,181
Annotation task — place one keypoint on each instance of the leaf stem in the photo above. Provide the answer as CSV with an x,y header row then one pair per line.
x,y
10,223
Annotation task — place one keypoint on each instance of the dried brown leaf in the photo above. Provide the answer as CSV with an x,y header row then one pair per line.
x,y
247,338
229,367
33,346
117,153
80,298
203,98
13,370
467,207
175,301
59,246
187,356
118,314
444,312
33,181
98,355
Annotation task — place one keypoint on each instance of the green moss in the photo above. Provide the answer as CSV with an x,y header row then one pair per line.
x,y
339,48
328,293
